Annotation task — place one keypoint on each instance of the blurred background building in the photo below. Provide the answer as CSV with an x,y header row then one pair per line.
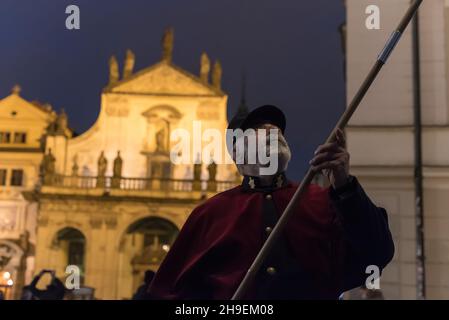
x,y
109,200
382,143
23,127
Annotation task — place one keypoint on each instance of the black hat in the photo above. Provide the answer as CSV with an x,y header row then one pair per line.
x,y
261,115
264,114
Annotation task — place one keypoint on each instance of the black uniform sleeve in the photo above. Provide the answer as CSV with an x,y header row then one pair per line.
x,y
367,238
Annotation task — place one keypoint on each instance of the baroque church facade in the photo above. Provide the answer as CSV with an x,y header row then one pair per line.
x,y
110,200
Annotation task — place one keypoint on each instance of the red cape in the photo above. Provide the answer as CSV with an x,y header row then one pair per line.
x,y
222,236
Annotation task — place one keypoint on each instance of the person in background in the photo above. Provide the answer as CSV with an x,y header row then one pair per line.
x,y
141,293
54,291
27,294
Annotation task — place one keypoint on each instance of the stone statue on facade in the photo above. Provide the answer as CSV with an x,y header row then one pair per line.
x,y
161,138
49,168
167,45
61,123
102,167
118,163
128,66
205,68
212,182
117,171
217,74
75,167
114,74
197,174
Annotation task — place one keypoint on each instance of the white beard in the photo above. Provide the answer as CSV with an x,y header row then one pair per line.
x,y
283,155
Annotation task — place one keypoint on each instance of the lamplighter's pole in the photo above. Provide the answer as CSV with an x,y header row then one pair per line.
x,y
419,209
341,124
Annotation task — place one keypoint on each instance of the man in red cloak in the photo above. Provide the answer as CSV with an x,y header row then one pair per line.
x,y
325,248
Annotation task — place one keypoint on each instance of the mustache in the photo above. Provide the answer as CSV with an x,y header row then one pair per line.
x,y
259,147
279,150
281,146
283,156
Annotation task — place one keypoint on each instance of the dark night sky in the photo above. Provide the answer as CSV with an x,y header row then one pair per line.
x,y
290,50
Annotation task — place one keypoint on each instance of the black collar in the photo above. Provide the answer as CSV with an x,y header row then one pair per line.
x,y
251,183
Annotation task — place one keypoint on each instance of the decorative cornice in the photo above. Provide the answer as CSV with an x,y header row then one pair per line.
x,y
21,150
114,198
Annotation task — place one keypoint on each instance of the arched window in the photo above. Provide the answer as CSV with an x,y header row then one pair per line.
x,y
73,242
156,236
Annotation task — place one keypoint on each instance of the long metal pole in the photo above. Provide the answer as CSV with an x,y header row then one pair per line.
x,y
341,124
420,258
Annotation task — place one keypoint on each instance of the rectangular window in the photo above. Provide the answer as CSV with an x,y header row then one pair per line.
x,y
5,137
2,177
17,177
20,137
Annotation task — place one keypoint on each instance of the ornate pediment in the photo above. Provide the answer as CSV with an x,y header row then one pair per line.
x,y
164,79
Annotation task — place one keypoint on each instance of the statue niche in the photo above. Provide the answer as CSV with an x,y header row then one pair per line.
x,y
162,138
160,121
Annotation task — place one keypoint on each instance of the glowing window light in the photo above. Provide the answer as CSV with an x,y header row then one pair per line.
x,y
6,275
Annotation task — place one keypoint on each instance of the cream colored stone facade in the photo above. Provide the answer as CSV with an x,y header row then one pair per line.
x,y
380,137
116,218
115,213
22,125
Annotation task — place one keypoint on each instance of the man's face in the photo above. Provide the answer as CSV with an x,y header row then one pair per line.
x,y
267,127
266,152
